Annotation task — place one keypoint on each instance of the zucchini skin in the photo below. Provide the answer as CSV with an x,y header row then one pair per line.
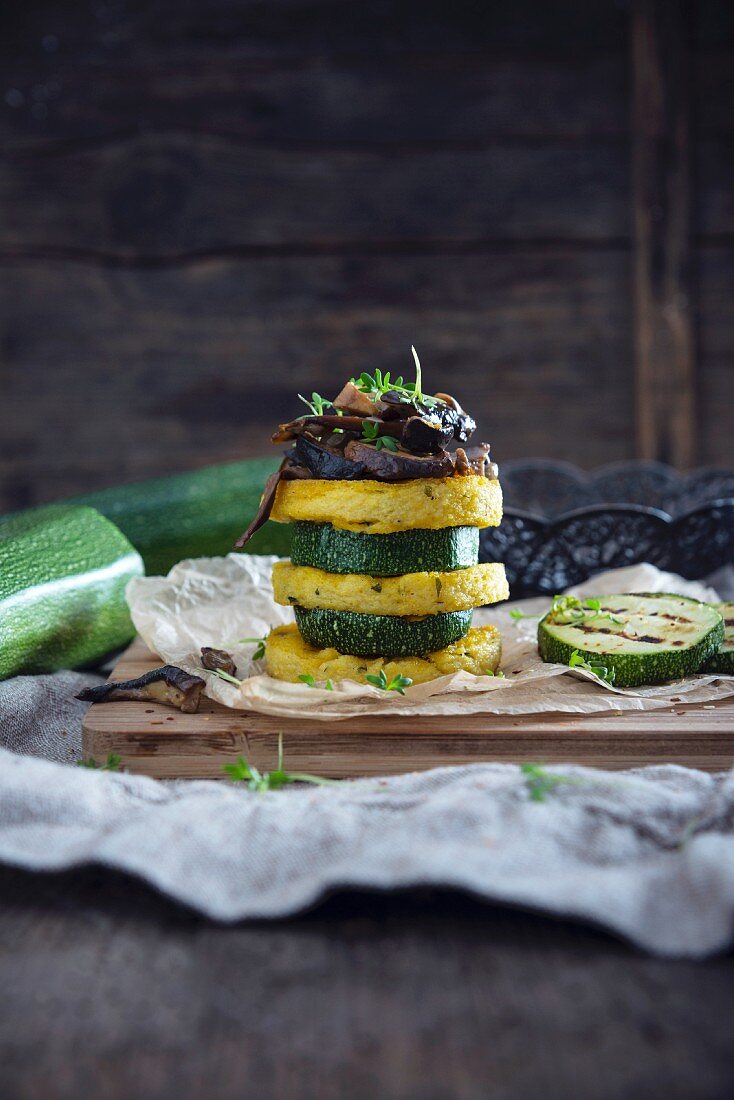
x,y
381,635
325,547
192,515
635,669
723,659
63,575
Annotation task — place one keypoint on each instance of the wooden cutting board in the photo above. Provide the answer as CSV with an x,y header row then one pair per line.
x,y
155,740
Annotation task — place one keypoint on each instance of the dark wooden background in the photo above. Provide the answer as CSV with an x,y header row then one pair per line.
x,y
205,207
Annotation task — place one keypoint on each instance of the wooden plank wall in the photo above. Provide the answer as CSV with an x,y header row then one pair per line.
x,y
205,207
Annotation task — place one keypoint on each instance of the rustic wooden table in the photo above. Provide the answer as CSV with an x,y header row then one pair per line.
x,y
110,991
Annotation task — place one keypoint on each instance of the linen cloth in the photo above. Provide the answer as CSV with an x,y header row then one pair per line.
x,y
647,854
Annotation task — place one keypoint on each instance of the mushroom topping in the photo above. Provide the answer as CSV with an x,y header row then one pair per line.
x,y
426,434
325,462
287,471
292,430
352,400
169,685
385,465
217,660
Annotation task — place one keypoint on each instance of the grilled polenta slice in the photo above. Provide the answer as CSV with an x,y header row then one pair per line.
x,y
288,657
409,594
381,507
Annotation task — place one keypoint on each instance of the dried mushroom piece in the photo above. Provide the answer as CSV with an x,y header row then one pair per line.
x,y
169,685
217,660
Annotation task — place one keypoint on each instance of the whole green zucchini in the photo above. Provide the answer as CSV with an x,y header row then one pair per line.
x,y
192,515
63,574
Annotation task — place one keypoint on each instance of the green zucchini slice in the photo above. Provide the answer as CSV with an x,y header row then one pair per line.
x,y
381,635
723,659
650,639
325,547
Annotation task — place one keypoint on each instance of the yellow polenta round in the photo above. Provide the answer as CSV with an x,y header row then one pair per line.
x,y
288,656
409,594
381,507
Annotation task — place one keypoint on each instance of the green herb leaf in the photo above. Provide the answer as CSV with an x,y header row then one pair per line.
x,y
307,678
244,772
517,615
259,642
112,763
317,404
540,782
498,675
398,683
602,671
570,609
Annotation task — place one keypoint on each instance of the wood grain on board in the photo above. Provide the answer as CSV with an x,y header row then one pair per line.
x,y
158,741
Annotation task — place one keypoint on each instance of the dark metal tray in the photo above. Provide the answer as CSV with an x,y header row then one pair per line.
x,y
562,525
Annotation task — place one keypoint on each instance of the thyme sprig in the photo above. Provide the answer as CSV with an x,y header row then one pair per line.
x,y
244,772
397,683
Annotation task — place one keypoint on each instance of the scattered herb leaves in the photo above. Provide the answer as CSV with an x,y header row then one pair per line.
x,y
397,683
541,782
310,681
243,772
604,672
112,764
569,609
516,615
497,675
371,433
375,385
259,642
317,404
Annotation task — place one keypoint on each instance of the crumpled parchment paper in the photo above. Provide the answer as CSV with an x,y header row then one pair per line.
x,y
220,601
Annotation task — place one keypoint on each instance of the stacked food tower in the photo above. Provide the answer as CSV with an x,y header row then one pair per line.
x,y
384,573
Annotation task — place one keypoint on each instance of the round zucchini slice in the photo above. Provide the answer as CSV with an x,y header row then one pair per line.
x,y
644,638
324,546
723,659
380,635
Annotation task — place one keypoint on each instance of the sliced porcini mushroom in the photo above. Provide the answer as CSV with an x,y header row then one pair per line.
x,y
462,465
449,400
289,470
168,685
385,465
331,465
294,428
393,406
352,400
478,458
217,660
426,434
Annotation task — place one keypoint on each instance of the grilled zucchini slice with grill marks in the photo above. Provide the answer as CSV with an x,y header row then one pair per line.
x,y
723,659
645,638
